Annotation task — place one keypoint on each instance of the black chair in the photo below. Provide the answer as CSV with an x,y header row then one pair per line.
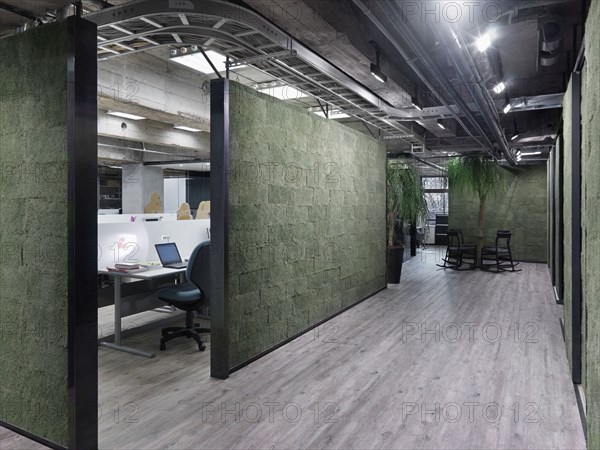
x,y
457,251
189,297
500,254
469,251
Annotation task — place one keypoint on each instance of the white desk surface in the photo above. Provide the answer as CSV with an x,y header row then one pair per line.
x,y
143,275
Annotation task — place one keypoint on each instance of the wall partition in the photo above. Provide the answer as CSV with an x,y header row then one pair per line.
x,y
305,219
48,374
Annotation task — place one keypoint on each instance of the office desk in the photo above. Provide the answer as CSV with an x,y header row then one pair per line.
x,y
118,280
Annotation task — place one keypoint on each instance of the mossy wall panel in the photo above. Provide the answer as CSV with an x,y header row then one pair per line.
x,y
306,228
520,208
34,232
590,164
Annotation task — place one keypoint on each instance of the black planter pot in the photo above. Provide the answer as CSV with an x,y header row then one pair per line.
x,y
395,256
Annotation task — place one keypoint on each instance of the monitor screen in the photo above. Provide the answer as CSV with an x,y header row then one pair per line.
x,y
168,253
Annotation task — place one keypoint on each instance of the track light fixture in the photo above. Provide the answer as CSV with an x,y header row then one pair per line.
x,y
375,69
500,87
414,102
484,42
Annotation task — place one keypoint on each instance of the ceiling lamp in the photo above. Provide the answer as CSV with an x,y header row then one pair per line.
x,y
507,107
500,87
125,115
413,101
484,42
531,153
184,128
515,136
375,69
440,124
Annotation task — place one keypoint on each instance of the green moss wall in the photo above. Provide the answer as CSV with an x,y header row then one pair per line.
x,y
307,211
521,208
590,163
33,232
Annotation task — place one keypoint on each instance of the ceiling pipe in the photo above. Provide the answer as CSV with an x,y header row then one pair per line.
x,y
18,11
408,34
465,65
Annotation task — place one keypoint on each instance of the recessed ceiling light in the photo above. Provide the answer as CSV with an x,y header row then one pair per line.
x,y
333,114
198,62
184,128
531,153
284,92
500,87
484,42
125,115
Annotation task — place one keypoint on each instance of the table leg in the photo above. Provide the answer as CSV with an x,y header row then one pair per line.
x,y
116,344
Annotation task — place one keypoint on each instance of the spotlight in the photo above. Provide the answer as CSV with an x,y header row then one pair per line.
x,y
173,52
377,73
183,50
375,69
483,42
413,101
194,48
500,87
507,107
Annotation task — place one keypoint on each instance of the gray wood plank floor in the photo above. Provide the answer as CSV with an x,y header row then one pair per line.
x,y
492,373
495,375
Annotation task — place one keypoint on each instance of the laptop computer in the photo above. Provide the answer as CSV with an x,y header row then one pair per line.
x,y
169,256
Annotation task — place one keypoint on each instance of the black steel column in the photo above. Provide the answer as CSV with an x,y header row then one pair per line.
x,y
576,293
219,228
82,150
558,221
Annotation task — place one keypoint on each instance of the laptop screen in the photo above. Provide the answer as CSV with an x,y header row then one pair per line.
x,y
168,253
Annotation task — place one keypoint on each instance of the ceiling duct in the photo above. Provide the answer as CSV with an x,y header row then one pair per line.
x,y
552,34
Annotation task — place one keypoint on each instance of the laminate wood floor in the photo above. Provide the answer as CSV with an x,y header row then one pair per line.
x,y
444,360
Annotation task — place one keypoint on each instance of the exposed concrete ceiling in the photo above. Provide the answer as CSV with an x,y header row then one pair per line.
x,y
338,31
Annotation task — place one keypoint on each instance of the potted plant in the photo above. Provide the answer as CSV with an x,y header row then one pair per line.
x,y
480,175
405,202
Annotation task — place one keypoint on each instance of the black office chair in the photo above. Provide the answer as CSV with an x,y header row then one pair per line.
x,y
189,297
500,254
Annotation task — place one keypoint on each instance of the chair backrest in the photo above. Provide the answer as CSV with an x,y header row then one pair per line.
x,y
503,238
453,238
198,269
